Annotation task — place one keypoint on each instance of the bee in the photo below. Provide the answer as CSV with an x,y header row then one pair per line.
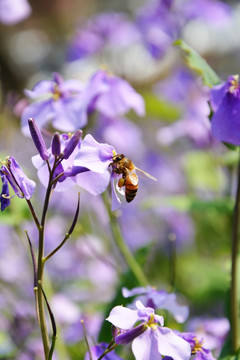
x,y
123,166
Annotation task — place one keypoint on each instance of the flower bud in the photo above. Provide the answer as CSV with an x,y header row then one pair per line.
x,y
38,139
56,144
73,142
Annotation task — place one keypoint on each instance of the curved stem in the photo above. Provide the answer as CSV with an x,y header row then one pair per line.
x,y
122,246
234,313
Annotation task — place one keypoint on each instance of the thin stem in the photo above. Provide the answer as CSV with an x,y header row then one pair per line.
x,y
40,299
57,248
234,315
110,348
33,213
122,246
40,267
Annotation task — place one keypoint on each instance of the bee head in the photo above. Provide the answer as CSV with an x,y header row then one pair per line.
x,y
118,157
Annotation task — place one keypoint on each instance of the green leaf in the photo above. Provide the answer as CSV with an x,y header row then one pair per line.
x,y
198,64
161,109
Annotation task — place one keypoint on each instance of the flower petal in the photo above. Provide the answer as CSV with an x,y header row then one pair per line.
x,y
226,120
93,155
122,317
172,345
145,347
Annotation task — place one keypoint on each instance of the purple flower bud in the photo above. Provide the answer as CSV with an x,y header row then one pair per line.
x,y
73,142
38,139
4,197
56,144
126,337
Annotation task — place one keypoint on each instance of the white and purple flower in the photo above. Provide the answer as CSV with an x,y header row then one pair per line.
x,y
197,350
57,101
150,339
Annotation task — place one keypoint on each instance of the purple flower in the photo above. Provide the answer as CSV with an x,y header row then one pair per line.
x,y
211,11
214,331
197,349
158,26
149,338
159,299
107,29
112,96
161,21
14,11
95,157
86,166
97,350
225,102
12,174
57,101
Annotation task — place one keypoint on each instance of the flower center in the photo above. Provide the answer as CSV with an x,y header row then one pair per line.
x,y
233,84
152,323
56,93
197,346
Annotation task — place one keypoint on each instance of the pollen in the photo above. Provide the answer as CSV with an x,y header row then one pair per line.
x,y
152,323
114,153
197,346
56,93
234,84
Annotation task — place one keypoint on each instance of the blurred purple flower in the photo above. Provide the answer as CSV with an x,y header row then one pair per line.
x,y
14,11
211,11
97,350
214,331
131,138
225,102
56,101
149,338
107,29
161,21
191,98
197,350
112,96
12,174
158,26
159,299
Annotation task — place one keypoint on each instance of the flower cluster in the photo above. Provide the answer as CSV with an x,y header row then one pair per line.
x,y
66,104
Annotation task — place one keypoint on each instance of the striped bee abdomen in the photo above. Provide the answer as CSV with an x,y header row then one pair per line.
x,y
131,187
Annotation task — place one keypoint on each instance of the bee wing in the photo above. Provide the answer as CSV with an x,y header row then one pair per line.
x,y
144,174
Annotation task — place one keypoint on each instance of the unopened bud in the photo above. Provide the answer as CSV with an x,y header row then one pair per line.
x,y
56,144
73,142
38,139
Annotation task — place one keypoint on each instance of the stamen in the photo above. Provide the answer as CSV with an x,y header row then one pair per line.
x,y
234,84
197,346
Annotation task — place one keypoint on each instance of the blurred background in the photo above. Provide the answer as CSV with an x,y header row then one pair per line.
x,y
178,228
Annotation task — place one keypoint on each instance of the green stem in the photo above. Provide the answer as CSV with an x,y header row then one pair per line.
x,y
234,315
40,269
122,246
40,299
